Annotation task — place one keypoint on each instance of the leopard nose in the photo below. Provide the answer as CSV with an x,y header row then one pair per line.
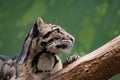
x,y
72,39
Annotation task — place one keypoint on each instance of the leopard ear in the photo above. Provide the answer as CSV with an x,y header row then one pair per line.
x,y
39,21
36,27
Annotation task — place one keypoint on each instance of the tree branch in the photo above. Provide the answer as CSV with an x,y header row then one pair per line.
x,y
100,64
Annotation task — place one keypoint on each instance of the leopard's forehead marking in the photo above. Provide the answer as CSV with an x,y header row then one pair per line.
x,y
49,27
46,28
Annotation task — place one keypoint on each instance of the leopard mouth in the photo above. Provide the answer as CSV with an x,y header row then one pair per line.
x,y
63,46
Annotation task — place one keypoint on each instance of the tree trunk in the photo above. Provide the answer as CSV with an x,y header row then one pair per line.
x,y
100,64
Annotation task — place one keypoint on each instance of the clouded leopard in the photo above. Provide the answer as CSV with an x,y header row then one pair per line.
x,y
39,55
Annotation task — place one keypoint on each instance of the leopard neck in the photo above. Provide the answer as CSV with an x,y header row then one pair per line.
x,y
28,49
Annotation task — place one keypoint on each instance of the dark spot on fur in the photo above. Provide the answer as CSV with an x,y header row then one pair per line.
x,y
38,71
58,30
47,34
37,40
35,30
51,40
56,61
56,38
43,44
36,60
28,51
8,75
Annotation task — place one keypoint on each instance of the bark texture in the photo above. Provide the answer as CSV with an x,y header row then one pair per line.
x,y
101,64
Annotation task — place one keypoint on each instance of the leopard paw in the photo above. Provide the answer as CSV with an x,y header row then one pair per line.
x,y
71,59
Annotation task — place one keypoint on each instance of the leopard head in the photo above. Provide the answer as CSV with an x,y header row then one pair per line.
x,y
52,37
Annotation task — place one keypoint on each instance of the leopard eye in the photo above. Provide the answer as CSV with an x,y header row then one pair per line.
x,y
37,40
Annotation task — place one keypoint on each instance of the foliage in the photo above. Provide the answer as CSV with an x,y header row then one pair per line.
x,y
92,22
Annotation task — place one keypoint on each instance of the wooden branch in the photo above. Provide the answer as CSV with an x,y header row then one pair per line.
x,y
100,64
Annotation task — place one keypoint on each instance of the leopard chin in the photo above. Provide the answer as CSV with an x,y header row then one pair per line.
x,y
64,47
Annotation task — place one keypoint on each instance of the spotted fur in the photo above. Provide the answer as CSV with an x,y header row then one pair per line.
x,y
39,55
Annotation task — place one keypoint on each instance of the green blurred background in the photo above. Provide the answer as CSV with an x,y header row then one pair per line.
x,y
91,22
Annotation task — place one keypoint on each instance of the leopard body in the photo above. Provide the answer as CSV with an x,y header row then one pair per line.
x,y
39,55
